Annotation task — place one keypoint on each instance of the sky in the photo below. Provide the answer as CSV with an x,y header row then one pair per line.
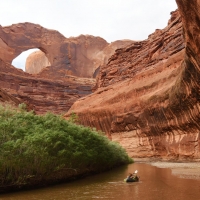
x,y
109,19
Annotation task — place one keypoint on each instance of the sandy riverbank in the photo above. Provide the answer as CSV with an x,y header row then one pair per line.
x,y
189,170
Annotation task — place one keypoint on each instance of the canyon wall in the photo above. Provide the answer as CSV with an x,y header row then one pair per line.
x,y
6,98
147,96
65,75
40,94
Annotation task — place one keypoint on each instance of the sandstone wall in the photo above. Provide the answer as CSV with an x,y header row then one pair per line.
x,y
56,87
44,95
6,98
147,96
40,94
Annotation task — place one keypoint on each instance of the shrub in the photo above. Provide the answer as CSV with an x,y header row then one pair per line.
x,y
33,146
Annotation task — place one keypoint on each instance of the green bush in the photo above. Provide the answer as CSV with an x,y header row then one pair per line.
x,y
33,146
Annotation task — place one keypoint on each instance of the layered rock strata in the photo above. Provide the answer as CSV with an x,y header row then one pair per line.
x,y
147,96
56,82
42,95
6,98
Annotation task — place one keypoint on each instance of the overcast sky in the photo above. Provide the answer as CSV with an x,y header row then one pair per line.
x,y
109,19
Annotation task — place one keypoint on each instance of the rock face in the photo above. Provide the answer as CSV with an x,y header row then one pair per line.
x,y
101,58
73,63
83,54
59,50
77,56
86,54
35,62
148,95
42,95
8,99
20,37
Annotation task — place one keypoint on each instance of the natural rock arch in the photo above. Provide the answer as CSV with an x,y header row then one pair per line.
x,y
17,38
78,56
72,56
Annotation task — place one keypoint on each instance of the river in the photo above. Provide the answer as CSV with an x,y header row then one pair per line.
x,y
155,184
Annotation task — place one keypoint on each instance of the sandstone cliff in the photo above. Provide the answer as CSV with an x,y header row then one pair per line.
x,y
6,98
86,54
147,96
42,94
58,81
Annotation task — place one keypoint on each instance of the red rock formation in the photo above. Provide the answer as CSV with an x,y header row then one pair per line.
x,y
92,52
44,95
75,56
83,54
86,55
20,37
54,88
6,98
35,62
147,96
41,94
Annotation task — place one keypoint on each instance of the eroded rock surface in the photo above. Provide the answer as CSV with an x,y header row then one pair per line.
x,y
35,62
147,96
56,82
42,95
77,56
86,54
6,98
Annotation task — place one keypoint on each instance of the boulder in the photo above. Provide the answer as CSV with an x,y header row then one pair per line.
x,y
35,62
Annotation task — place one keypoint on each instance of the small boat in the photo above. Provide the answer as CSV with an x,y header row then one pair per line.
x,y
133,178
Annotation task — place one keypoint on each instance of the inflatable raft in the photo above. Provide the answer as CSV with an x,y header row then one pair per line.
x,y
135,179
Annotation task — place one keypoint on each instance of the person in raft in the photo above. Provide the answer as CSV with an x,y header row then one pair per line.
x,y
130,175
134,176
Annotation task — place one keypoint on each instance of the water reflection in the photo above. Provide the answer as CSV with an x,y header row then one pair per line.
x,y
155,184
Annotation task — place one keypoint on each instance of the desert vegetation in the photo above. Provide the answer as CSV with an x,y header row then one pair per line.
x,y
42,149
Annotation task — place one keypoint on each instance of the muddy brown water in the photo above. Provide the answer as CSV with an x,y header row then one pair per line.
x,y
155,184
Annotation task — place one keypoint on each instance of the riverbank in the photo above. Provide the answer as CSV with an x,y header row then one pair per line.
x,y
180,168
189,170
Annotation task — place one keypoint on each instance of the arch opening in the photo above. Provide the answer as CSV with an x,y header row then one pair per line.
x,y
31,61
